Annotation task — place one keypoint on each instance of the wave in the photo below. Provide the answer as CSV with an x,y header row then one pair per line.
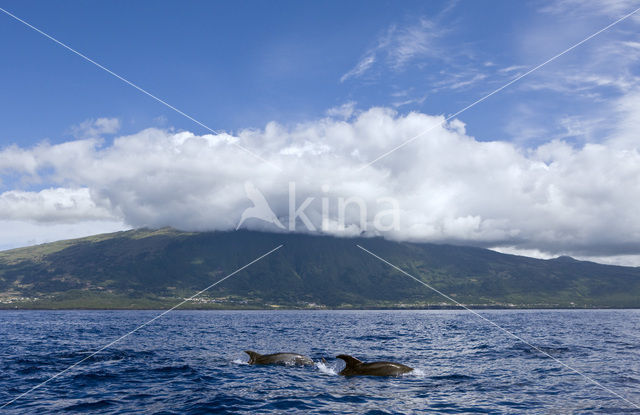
x,y
527,350
453,377
96,405
174,369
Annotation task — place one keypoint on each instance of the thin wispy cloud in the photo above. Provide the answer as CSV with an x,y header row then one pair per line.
x,y
344,111
414,41
362,67
609,65
96,127
590,8
513,68
572,98
421,50
410,101
399,46
461,80
609,62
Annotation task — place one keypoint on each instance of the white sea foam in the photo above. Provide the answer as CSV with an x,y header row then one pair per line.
x,y
240,362
418,373
325,368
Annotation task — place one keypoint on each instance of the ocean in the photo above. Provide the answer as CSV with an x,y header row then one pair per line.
x,y
192,362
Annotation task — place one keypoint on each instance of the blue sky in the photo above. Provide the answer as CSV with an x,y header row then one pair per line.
x,y
240,65
318,87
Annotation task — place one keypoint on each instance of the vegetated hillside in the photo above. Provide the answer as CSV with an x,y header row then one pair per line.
x,y
157,268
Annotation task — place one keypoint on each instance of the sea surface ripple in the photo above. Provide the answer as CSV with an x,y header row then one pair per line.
x,y
192,362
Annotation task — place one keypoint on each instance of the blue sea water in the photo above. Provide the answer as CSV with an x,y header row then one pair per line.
x,y
192,362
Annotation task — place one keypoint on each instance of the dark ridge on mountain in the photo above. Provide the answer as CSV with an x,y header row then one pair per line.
x,y
565,258
158,268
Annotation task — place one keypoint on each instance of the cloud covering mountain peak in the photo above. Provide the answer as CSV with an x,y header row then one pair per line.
x,y
448,185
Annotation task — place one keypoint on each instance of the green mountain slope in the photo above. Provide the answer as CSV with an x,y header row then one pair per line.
x,y
147,268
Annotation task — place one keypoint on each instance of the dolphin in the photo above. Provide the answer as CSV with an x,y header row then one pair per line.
x,y
289,359
356,367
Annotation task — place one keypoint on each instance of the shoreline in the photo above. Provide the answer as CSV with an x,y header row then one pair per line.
x,y
442,308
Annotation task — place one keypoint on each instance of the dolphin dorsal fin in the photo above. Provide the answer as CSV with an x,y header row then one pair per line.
x,y
349,360
252,355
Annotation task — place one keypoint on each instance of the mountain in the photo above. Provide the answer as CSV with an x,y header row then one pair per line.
x,y
158,268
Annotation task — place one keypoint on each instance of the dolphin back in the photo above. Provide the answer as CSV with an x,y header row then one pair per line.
x,y
253,356
349,360
289,359
356,367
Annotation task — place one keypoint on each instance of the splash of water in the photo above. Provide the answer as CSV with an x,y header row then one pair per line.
x,y
326,369
417,373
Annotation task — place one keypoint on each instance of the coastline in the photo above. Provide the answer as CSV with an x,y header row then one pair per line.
x,y
432,308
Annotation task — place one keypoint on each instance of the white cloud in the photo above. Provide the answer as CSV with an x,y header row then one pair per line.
x,y
624,260
512,68
361,67
400,45
409,101
457,82
412,41
344,111
554,198
604,65
572,96
95,128
589,8
58,205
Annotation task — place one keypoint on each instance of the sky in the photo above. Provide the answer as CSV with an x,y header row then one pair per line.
x,y
303,96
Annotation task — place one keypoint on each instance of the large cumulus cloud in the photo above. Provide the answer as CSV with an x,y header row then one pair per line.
x,y
449,186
